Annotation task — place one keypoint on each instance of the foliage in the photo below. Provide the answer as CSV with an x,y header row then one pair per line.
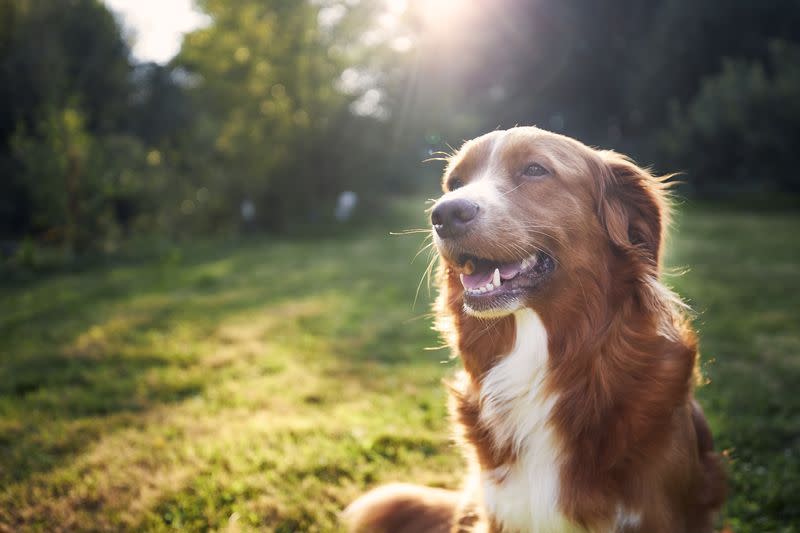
x,y
56,59
265,383
287,104
59,53
55,161
269,73
608,72
85,191
752,107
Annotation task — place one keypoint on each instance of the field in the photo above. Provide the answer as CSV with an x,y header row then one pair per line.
x,y
262,384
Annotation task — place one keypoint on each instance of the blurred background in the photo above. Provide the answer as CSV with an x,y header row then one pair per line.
x,y
206,322
111,127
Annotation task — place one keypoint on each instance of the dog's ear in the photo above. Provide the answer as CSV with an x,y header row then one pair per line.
x,y
632,206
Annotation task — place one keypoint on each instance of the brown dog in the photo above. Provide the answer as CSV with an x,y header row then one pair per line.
x,y
575,405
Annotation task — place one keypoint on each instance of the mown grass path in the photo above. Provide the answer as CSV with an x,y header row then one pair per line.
x,y
262,384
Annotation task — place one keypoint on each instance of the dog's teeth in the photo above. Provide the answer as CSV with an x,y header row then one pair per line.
x,y
496,277
489,287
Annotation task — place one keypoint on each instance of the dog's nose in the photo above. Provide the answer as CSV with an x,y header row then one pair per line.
x,y
451,218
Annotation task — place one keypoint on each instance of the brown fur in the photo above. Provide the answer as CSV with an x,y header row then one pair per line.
x,y
401,508
622,357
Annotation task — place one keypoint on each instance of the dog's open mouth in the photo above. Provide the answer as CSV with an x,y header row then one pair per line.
x,y
487,282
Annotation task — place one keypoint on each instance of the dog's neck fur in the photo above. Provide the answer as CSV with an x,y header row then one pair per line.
x,y
523,495
559,415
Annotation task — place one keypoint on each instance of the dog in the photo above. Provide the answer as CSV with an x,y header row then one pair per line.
x,y
575,406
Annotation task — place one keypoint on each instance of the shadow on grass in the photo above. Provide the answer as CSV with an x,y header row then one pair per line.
x,y
64,398
90,354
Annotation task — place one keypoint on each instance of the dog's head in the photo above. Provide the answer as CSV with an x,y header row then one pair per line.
x,y
526,215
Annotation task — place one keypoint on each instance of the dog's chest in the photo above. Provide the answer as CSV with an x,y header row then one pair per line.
x,y
523,496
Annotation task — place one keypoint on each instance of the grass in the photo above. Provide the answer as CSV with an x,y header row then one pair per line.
x,y
263,384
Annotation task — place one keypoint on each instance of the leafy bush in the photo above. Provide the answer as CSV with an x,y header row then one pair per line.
x,y
739,133
86,191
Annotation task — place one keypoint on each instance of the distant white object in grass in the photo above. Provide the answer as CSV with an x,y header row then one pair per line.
x,y
248,210
345,205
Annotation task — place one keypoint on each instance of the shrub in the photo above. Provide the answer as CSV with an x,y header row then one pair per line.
x,y
739,133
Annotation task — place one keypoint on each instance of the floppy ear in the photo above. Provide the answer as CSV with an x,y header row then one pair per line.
x,y
633,207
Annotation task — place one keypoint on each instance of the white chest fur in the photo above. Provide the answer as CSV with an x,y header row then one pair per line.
x,y
523,497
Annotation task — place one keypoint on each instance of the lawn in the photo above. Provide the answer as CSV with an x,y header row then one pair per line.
x,y
264,383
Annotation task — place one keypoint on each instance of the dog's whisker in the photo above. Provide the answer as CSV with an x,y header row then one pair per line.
x,y
422,249
506,193
411,231
426,274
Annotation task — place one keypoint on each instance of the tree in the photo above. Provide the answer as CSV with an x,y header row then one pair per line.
x,y
751,107
55,158
55,58
267,75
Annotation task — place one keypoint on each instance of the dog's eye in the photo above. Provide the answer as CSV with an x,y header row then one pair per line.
x,y
535,170
454,183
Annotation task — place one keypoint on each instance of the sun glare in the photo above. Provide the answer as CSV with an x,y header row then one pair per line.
x,y
437,14
157,27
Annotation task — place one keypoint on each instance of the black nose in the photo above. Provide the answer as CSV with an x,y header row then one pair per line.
x,y
451,218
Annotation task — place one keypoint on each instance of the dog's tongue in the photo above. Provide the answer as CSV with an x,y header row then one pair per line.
x,y
479,279
476,279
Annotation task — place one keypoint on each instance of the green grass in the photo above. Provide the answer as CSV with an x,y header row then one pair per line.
x,y
263,384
